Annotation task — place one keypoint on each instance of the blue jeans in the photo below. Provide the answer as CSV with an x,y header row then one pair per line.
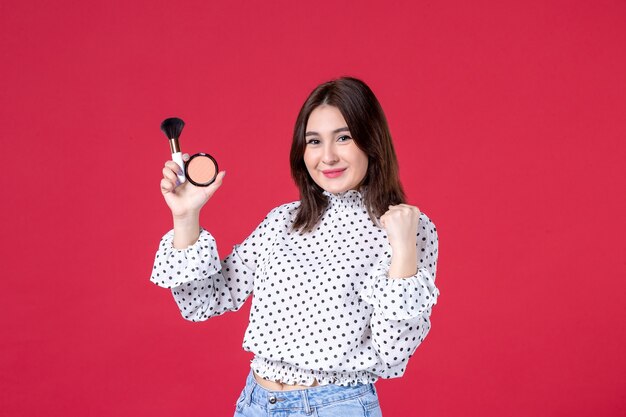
x,y
320,401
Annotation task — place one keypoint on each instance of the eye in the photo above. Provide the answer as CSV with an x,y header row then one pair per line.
x,y
343,138
312,142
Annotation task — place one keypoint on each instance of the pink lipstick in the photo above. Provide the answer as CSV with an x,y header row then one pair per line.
x,y
333,173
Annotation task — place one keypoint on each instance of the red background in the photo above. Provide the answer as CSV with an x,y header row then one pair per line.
x,y
509,121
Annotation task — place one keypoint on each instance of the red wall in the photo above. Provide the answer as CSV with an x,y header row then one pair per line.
x,y
510,123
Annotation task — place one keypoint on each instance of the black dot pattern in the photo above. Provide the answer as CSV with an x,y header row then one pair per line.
x,y
323,306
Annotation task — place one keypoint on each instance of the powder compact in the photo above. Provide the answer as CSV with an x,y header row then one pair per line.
x,y
201,168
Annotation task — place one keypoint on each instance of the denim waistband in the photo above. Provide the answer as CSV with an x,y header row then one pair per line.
x,y
304,399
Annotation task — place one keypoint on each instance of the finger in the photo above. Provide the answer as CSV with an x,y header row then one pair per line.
x,y
169,175
174,167
167,186
398,207
414,208
406,208
395,209
217,183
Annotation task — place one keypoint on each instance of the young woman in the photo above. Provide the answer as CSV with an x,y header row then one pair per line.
x,y
343,279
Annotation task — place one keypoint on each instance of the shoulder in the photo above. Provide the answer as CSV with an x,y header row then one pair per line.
x,y
284,212
426,229
426,221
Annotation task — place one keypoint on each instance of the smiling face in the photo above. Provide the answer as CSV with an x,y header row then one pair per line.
x,y
331,156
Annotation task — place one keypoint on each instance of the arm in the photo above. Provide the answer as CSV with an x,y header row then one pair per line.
x,y
187,260
202,286
402,306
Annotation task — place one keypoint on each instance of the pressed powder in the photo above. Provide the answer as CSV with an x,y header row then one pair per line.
x,y
201,169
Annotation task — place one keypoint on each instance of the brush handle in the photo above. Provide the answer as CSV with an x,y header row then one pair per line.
x,y
178,158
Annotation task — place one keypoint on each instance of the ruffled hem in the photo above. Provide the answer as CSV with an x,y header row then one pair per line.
x,y
400,298
292,375
174,267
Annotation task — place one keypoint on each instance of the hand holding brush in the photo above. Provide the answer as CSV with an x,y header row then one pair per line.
x,y
185,198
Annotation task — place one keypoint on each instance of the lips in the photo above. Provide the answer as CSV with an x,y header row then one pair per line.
x,y
333,173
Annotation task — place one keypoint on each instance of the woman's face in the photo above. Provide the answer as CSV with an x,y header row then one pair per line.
x,y
331,156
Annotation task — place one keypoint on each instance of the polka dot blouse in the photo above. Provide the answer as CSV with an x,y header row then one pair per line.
x,y
323,306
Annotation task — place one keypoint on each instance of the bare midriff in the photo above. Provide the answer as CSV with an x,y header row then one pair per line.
x,y
279,386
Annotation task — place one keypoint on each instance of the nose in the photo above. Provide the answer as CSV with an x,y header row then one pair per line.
x,y
330,154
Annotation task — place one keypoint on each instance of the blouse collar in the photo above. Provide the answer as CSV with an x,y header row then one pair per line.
x,y
352,199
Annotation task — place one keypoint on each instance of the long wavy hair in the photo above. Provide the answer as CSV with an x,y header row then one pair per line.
x,y
367,123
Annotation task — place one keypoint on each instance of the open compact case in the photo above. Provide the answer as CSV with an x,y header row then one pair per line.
x,y
201,168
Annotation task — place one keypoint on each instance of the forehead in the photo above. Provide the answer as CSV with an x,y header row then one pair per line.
x,y
325,117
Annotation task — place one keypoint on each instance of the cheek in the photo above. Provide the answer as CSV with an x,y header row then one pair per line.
x,y
361,163
363,172
309,160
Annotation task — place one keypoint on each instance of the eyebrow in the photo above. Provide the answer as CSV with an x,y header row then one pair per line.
x,y
341,129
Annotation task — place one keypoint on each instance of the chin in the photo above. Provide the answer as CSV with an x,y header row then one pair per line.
x,y
335,189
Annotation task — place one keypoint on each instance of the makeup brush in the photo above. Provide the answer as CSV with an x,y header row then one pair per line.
x,y
172,128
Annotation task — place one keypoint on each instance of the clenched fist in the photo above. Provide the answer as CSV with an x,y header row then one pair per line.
x,y
400,222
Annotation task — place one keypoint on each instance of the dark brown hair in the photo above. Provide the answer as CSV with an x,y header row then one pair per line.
x,y
370,132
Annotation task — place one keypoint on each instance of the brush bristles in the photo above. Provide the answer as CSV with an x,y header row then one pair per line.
x,y
172,127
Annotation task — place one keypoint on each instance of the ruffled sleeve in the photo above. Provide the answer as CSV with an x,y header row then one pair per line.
x,y
400,299
174,267
202,285
402,306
